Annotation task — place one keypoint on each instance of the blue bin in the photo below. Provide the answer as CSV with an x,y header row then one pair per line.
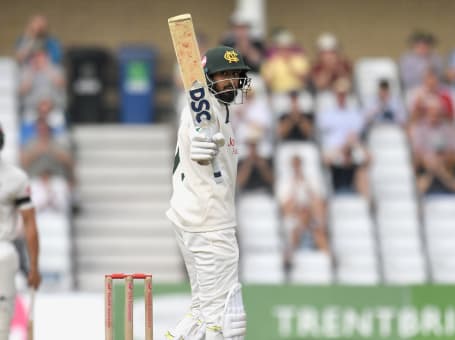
x,y
137,84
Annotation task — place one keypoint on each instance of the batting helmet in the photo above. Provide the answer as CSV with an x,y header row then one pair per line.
x,y
223,58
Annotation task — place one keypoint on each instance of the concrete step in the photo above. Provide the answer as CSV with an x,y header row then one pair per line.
x,y
137,245
142,209
120,136
119,193
128,264
124,175
123,227
89,174
130,158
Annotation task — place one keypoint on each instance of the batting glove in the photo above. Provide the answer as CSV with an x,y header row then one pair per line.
x,y
202,149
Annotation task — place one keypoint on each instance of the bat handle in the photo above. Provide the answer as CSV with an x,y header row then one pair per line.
x,y
31,313
217,171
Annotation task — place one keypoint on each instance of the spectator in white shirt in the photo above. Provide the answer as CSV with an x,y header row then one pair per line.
x,y
341,128
254,117
51,193
303,212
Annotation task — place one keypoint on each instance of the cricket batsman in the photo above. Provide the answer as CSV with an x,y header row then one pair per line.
x,y
203,211
14,198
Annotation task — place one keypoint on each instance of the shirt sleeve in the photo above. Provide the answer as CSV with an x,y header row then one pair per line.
x,y
22,199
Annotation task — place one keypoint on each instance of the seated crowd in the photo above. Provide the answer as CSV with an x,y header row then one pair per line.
x,y
296,100
45,143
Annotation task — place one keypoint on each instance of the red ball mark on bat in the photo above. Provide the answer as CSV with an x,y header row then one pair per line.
x,y
186,45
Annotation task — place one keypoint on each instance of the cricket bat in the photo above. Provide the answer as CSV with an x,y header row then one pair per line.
x,y
30,315
193,76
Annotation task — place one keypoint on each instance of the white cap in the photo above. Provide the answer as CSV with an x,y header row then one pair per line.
x,y
327,42
284,38
239,19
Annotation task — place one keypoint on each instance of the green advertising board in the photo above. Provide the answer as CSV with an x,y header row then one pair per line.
x,y
335,312
291,312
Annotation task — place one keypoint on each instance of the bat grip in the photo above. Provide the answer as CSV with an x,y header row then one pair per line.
x,y
31,313
217,171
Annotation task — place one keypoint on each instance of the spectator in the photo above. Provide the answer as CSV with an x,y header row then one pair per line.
x,y
254,117
429,89
433,145
36,38
286,66
303,213
385,108
330,64
42,78
343,151
450,73
44,152
420,57
296,124
239,37
255,172
50,193
46,111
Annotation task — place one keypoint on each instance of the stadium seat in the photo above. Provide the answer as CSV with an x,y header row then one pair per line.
x,y
353,241
369,71
281,102
386,135
349,206
311,267
444,269
347,248
354,227
56,250
264,268
258,228
398,208
357,276
309,153
439,215
398,228
326,100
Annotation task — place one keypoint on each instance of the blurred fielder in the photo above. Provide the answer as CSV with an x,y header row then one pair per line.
x,y
203,209
14,198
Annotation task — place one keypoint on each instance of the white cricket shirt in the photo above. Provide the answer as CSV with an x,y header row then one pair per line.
x,y
14,195
198,203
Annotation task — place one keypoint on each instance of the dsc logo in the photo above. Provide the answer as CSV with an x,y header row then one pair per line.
x,y
199,104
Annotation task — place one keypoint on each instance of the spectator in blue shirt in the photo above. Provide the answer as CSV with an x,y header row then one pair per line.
x,y
420,57
385,107
35,38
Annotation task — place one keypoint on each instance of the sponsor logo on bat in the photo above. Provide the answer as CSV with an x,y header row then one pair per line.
x,y
199,104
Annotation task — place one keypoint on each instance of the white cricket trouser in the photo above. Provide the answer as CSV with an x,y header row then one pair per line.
x,y
9,265
211,259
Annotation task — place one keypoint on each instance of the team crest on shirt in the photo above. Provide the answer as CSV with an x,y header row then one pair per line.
x,y
232,146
